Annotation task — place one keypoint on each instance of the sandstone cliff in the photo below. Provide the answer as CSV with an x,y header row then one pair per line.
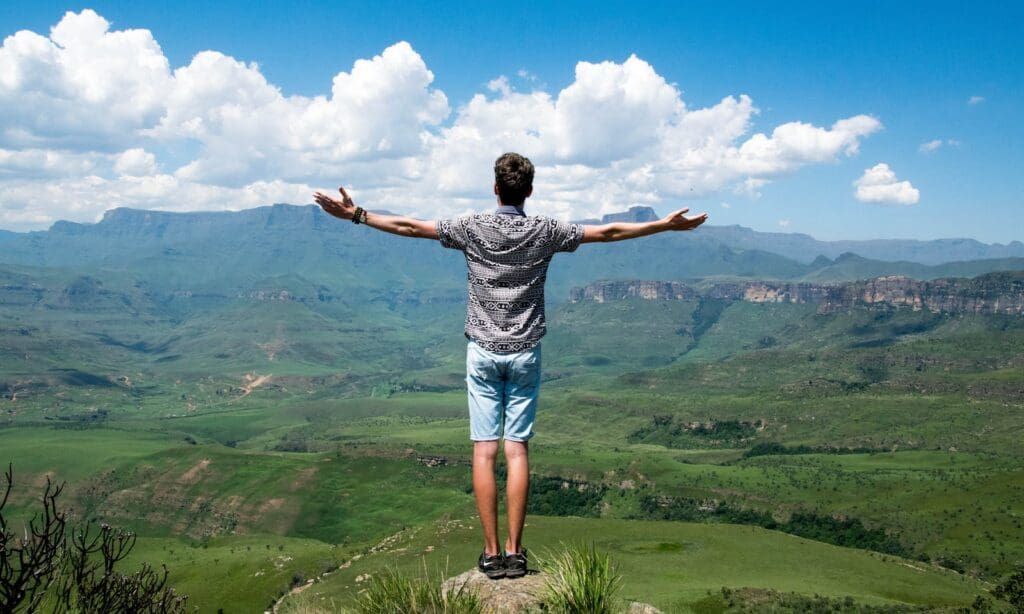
x,y
993,293
601,292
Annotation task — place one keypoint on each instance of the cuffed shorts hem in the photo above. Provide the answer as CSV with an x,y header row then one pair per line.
x,y
519,439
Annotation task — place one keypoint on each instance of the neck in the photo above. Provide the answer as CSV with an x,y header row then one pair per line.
x,y
511,209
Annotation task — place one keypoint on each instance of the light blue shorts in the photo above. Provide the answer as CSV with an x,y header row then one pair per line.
x,y
503,390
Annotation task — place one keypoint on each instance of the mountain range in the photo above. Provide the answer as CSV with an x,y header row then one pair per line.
x,y
203,252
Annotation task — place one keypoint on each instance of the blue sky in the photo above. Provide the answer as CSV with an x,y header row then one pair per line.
x,y
912,67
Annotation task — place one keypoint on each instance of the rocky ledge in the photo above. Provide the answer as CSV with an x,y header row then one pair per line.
x,y
517,596
993,293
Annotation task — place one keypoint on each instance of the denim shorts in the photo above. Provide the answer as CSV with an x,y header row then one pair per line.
x,y
503,390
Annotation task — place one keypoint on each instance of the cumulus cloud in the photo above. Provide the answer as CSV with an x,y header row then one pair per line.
x,y
103,113
83,87
135,162
878,184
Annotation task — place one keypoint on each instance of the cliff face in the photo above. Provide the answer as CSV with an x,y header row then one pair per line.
x,y
770,292
994,293
601,292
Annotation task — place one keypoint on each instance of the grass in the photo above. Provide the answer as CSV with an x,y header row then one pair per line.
x,y
580,579
394,591
673,565
113,400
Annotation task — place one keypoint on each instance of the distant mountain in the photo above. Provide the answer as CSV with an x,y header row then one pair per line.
x,y
226,253
633,214
804,248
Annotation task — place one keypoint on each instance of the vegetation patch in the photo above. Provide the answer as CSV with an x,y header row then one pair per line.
x,y
846,532
668,431
774,448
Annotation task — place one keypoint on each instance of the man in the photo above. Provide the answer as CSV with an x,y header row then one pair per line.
x,y
507,256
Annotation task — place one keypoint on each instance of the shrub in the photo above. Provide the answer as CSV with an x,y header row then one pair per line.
x,y
52,566
581,580
393,591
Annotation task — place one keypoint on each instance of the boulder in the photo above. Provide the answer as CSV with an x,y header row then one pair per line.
x,y
516,596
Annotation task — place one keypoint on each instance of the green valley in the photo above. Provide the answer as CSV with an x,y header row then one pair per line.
x,y
268,398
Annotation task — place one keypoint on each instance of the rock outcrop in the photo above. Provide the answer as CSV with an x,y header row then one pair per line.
x,y
992,293
649,290
516,596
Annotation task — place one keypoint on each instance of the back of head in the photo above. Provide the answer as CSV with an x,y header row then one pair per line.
x,y
513,176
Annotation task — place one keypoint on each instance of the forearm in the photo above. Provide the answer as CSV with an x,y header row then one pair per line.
x,y
401,225
620,231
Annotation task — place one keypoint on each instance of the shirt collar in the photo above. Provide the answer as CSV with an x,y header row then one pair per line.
x,y
510,210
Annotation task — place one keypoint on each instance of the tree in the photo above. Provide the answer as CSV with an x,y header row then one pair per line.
x,y
63,568
1012,590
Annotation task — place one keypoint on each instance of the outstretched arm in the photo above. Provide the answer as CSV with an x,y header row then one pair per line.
x,y
344,208
620,231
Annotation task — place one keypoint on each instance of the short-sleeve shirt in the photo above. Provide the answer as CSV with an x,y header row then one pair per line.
x,y
507,257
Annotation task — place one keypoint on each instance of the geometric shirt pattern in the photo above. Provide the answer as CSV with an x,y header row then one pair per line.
x,y
507,257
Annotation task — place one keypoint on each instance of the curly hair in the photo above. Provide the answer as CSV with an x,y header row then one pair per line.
x,y
513,175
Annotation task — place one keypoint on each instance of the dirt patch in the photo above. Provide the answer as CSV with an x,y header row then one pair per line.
x,y
192,475
252,382
302,479
271,505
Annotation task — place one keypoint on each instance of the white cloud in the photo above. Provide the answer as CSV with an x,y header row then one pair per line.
x,y
784,223
82,88
935,144
45,163
500,85
878,184
726,205
135,162
975,100
103,112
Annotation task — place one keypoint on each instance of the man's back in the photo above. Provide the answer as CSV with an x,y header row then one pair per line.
x,y
507,257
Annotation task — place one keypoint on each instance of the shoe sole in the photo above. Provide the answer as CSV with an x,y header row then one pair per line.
x,y
494,575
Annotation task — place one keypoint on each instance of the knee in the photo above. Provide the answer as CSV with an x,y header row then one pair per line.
x,y
516,450
485,450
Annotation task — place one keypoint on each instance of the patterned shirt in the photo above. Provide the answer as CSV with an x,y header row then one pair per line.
x,y
507,257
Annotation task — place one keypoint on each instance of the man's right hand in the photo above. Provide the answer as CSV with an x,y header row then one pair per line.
x,y
679,221
343,208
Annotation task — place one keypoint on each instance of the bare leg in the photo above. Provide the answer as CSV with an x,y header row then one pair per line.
x,y
486,491
517,458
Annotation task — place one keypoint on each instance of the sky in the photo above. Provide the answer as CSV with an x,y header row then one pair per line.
x,y
874,120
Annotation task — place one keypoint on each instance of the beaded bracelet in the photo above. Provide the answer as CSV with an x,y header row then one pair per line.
x,y
360,216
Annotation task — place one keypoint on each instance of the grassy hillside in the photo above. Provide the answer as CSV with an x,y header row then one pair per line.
x,y
676,566
262,424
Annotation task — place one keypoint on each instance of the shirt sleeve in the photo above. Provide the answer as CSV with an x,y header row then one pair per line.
x,y
452,233
566,236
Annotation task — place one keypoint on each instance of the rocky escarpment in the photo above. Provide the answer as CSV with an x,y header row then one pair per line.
x,y
601,292
993,293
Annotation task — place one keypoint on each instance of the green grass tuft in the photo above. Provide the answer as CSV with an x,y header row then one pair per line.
x,y
394,591
581,580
